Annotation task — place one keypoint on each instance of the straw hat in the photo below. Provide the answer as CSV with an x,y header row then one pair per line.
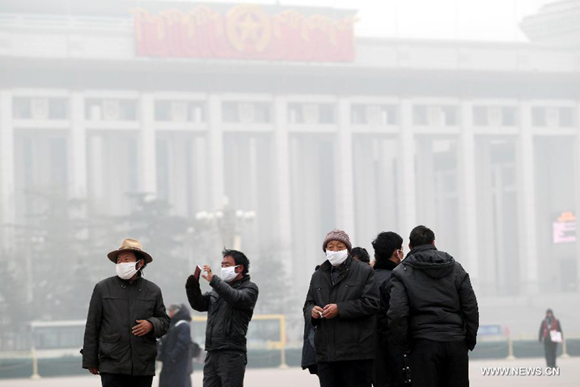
x,y
130,245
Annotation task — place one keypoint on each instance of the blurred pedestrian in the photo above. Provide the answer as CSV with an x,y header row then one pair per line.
x,y
341,304
126,314
551,334
308,360
176,349
433,313
388,365
361,254
230,306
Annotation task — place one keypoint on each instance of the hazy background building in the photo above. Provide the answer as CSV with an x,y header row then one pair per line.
x,y
265,126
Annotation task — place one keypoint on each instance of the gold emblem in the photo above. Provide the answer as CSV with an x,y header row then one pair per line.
x,y
248,28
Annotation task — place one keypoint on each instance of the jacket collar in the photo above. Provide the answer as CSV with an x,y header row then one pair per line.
x,y
421,248
384,264
137,280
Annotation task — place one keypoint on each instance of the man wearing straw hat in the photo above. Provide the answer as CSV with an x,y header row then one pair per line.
x,y
126,315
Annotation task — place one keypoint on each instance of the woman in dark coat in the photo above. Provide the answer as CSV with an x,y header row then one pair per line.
x,y
550,323
175,351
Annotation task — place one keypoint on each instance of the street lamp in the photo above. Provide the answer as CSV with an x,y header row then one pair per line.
x,y
228,221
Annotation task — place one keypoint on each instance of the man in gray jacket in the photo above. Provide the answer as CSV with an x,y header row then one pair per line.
x,y
126,315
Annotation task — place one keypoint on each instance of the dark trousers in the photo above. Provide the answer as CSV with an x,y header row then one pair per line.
x,y
224,369
439,364
352,373
116,380
550,349
388,367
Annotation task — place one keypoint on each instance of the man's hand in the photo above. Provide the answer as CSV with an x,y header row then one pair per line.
x,y
94,371
142,328
209,275
330,311
317,312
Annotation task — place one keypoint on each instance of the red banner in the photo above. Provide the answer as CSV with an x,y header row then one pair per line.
x,y
244,32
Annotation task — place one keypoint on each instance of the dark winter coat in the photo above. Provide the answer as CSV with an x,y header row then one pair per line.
x,y
308,351
175,352
388,365
383,271
432,298
230,309
109,344
350,335
546,326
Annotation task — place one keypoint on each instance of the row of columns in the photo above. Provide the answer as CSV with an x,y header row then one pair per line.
x,y
345,187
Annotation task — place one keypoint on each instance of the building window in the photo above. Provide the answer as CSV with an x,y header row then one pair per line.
x,y
446,115
179,111
246,112
377,115
494,116
311,113
553,116
39,108
111,110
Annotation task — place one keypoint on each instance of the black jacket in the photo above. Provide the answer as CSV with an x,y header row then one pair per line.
x,y
230,309
308,351
175,351
350,335
109,344
383,273
432,298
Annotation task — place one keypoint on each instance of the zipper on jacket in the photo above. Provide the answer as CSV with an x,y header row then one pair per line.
x,y
127,291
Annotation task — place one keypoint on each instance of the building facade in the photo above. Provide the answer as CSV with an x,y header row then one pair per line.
x,y
479,141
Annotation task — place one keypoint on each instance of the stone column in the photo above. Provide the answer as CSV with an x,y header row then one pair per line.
x,y
282,180
344,171
468,193
147,148
407,192
77,147
577,188
216,149
527,203
7,202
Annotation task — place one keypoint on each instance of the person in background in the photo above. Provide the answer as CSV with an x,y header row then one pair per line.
x,y
361,254
388,366
433,313
230,307
341,305
175,349
126,314
550,324
308,360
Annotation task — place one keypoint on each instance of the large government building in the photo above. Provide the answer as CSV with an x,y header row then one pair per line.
x,y
285,113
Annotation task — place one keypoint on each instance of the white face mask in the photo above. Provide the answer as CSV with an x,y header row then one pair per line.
x,y
229,273
126,270
336,258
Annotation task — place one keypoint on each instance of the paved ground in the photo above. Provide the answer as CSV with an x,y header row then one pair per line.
x,y
292,377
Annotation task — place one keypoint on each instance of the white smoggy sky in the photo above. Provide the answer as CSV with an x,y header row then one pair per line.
x,y
482,20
